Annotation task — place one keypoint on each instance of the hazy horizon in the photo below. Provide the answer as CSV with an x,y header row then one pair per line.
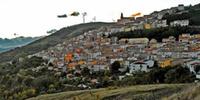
x,y
35,17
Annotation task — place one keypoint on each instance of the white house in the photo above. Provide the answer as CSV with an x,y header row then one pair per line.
x,y
191,65
117,59
159,23
141,66
116,29
179,23
131,58
136,40
181,7
97,68
198,76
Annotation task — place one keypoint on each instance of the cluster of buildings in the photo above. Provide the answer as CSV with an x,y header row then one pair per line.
x,y
154,20
97,52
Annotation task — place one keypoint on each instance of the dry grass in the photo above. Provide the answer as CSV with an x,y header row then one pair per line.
x,y
190,93
117,93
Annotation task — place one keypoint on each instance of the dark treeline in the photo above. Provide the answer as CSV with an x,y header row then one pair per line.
x,y
192,13
158,33
174,17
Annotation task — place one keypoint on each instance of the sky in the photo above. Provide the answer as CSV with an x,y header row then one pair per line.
x,y
36,17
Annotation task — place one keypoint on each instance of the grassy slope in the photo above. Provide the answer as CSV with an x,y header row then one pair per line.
x,y
152,92
190,93
49,41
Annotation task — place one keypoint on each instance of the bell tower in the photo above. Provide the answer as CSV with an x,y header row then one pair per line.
x,y
122,16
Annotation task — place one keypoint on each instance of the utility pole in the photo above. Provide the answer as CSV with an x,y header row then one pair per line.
x,y
94,19
84,14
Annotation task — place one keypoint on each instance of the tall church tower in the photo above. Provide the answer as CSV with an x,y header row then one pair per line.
x,y
122,16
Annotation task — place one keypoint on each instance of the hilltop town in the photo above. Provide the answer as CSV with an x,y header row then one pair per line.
x,y
100,58
96,51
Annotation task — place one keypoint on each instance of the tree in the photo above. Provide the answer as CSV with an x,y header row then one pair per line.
x,y
126,41
179,75
155,64
156,76
197,68
85,71
42,83
115,67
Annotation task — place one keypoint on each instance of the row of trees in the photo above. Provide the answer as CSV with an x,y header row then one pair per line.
x,y
173,17
177,74
158,33
192,14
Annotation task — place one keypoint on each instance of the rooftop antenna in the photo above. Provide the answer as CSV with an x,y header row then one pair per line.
x,y
84,14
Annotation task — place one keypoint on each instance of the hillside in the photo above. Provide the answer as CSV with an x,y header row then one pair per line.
x,y
192,13
8,44
49,41
191,93
87,71
141,92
